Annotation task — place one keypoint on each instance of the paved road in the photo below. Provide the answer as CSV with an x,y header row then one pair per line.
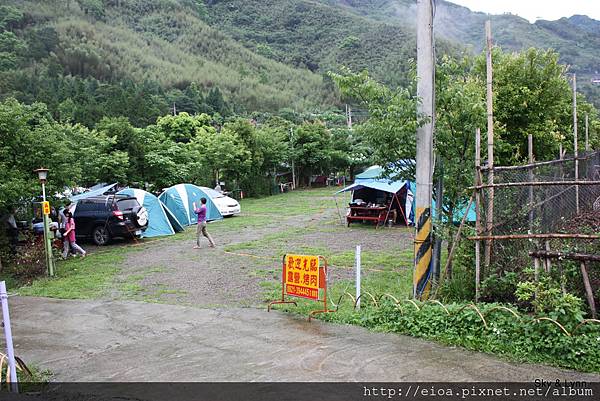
x,y
135,341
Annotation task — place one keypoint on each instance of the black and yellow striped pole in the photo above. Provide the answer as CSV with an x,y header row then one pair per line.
x,y
424,170
423,253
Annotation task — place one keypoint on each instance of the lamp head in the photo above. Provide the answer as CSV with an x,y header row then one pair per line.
x,y
42,174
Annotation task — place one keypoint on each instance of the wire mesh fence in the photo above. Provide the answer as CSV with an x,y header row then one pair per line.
x,y
553,205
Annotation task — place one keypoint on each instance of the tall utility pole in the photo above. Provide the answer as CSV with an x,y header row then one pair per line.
x,y
575,145
490,142
424,173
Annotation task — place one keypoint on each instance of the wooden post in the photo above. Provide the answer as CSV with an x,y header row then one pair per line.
x,y
490,143
548,266
439,209
575,147
561,275
531,201
530,177
588,288
587,137
477,212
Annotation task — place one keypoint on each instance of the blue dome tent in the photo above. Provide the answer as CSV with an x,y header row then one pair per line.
x,y
159,221
179,200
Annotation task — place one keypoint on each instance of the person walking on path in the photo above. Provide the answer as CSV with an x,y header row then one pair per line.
x,y
201,229
69,237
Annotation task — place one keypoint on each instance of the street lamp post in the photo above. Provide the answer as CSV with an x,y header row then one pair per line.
x,y
43,175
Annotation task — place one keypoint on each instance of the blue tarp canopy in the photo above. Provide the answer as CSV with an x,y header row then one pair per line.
x,y
158,215
94,192
385,185
372,178
391,187
180,198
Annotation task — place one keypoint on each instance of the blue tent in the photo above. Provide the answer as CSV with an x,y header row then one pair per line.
x,y
159,222
179,200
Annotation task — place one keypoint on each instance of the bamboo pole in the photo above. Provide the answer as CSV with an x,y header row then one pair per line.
x,y
537,164
535,183
477,212
530,177
566,255
575,147
490,141
456,239
587,136
528,236
588,288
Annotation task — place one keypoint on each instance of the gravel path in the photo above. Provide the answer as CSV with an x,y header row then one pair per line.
x,y
172,271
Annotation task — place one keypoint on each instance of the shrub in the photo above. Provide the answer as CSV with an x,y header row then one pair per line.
x,y
500,288
548,299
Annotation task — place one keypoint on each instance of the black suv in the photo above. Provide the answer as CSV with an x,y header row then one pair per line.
x,y
103,217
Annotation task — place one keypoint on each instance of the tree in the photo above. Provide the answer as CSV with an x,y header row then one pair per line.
x,y
312,150
184,127
531,96
460,110
392,124
223,152
126,139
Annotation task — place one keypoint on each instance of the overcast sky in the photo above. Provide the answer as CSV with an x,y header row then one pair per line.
x,y
535,9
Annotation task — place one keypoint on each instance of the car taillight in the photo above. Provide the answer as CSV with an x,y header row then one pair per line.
x,y
118,214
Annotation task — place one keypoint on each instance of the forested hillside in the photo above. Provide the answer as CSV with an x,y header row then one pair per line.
x,y
107,56
141,58
576,39
322,37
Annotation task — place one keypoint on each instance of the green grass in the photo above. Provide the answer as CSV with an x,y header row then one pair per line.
x,y
78,278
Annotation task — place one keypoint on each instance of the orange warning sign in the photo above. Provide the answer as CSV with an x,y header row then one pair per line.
x,y
301,276
304,276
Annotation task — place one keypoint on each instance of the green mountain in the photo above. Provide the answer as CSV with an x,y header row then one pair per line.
x,y
165,42
240,55
322,36
577,38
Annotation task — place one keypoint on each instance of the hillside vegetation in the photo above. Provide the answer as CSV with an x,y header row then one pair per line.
x,y
576,39
165,42
141,58
322,37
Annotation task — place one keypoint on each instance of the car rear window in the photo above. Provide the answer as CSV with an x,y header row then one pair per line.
x,y
127,204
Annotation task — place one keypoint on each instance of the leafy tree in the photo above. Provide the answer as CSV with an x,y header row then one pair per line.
x,y
312,150
392,124
126,139
223,152
30,139
184,127
460,110
531,94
